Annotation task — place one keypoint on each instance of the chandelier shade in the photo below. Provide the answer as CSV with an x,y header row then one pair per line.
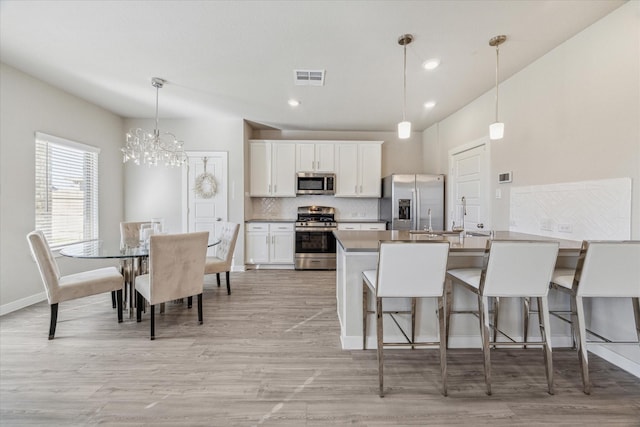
x,y
153,147
404,127
496,129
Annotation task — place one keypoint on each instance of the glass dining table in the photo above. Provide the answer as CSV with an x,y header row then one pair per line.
x,y
133,260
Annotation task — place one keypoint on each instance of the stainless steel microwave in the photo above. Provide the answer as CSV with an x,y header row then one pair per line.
x,y
315,183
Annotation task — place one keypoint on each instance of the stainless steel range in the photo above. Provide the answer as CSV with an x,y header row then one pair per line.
x,y
315,242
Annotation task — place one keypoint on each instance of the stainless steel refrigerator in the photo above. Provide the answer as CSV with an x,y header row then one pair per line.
x,y
412,202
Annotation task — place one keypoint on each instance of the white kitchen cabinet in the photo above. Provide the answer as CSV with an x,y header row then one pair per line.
x,y
362,226
272,169
315,157
358,169
270,243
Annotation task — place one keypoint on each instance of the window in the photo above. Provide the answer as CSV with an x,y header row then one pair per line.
x,y
66,190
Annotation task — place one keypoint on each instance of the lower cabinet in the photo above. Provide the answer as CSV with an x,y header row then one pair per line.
x,y
270,243
362,226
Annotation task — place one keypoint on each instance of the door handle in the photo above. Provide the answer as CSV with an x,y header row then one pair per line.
x,y
480,225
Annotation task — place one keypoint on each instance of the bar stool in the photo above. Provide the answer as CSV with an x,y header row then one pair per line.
x,y
511,269
605,269
407,269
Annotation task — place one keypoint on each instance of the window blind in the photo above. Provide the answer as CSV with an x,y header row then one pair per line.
x,y
66,190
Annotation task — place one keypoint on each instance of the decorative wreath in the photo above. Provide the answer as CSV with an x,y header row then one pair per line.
x,y
205,186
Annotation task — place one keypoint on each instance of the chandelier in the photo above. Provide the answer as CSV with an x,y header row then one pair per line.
x,y
151,148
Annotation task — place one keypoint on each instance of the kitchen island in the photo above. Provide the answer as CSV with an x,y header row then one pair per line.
x,y
358,250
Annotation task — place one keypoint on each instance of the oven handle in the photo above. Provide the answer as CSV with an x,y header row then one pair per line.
x,y
328,229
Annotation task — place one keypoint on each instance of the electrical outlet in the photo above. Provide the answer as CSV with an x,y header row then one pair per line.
x,y
546,224
565,228
498,193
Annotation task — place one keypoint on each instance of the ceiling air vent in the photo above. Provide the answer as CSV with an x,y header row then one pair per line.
x,y
308,77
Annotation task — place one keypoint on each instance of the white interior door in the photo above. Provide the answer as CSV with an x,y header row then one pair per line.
x,y
206,191
468,200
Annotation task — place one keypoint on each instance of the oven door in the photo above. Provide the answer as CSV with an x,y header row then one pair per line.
x,y
315,250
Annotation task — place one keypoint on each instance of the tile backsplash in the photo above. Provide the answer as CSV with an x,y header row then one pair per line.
x,y
287,207
587,210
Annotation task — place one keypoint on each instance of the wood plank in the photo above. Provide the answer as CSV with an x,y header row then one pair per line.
x,y
269,354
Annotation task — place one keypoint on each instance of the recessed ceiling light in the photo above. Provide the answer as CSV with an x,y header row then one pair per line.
x,y
293,102
431,64
429,104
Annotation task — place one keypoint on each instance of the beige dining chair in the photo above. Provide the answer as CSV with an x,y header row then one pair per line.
x,y
65,288
605,269
176,271
520,269
406,269
223,258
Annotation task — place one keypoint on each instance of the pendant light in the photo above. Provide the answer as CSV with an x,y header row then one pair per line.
x,y
496,129
404,127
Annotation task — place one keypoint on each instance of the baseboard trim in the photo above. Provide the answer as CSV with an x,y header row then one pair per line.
x,y
22,303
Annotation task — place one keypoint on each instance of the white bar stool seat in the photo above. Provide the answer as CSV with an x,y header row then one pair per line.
x,y
407,269
605,269
511,269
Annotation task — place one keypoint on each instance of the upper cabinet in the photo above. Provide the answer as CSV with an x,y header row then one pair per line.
x,y
358,169
315,157
272,166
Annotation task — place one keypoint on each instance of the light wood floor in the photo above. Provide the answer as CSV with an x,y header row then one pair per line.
x,y
269,354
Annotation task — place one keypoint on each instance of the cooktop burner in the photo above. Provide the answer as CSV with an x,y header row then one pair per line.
x,y
316,216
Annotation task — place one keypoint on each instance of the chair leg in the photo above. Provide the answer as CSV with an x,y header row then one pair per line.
x,y
483,309
636,314
228,283
443,343
496,313
119,304
526,311
113,299
581,335
379,335
54,320
413,322
218,279
449,306
200,309
574,319
545,334
189,302
365,309
153,322
139,304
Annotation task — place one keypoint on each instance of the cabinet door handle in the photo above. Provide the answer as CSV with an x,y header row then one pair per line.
x,y
267,240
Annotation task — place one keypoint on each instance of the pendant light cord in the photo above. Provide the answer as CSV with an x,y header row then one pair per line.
x,y
157,130
497,68
404,84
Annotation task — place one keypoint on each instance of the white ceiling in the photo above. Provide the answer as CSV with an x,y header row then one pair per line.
x,y
236,58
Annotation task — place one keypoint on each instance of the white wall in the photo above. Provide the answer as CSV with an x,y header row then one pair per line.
x,y
157,191
572,115
28,105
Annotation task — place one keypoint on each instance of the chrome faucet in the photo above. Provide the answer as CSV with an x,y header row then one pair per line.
x,y
464,213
